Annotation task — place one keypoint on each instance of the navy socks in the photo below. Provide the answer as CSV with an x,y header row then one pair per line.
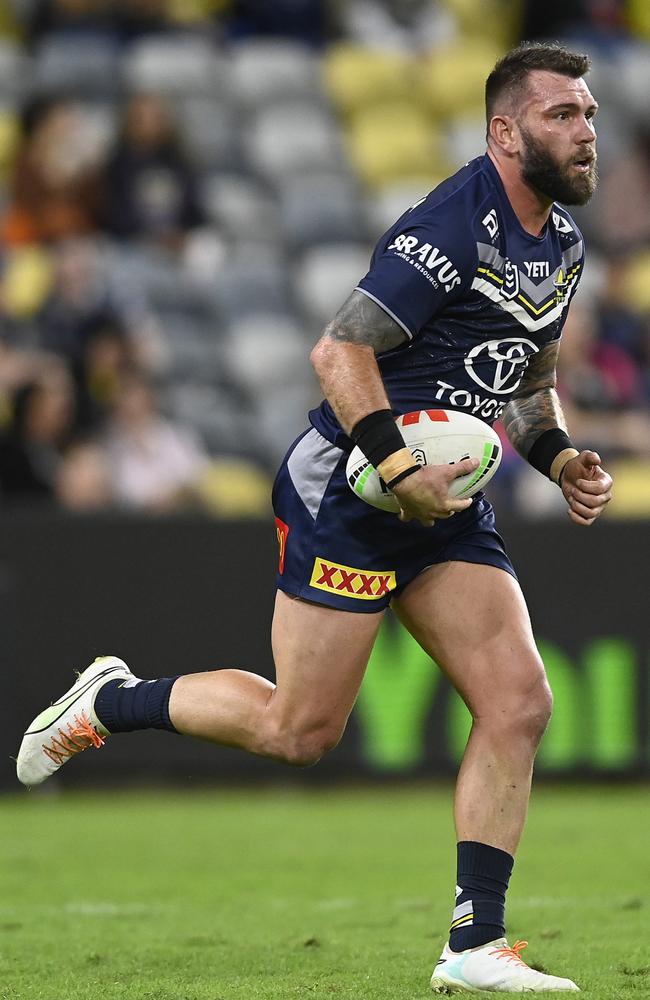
x,y
123,707
482,881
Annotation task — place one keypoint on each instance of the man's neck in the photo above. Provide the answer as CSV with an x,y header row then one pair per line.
x,y
531,209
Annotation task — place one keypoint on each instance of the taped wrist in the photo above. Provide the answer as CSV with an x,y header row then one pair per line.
x,y
378,436
551,452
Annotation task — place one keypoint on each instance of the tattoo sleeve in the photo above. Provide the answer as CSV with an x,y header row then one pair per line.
x,y
535,406
362,321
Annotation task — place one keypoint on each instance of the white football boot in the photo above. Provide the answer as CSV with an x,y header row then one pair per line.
x,y
69,725
492,967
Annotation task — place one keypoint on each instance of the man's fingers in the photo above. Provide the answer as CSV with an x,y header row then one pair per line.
x,y
462,468
601,485
577,519
582,509
453,505
592,500
590,458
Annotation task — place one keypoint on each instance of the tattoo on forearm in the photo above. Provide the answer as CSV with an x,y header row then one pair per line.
x,y
535,407
362,321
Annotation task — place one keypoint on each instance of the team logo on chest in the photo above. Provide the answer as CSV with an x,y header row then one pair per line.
x,y
499,365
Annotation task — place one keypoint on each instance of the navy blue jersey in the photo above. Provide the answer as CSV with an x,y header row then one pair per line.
x,y
476,295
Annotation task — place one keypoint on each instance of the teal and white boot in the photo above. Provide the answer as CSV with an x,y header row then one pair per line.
x,y
69,725
493,967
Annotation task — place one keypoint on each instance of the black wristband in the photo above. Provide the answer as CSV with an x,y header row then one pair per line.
x,y
378,436
403,475
546,447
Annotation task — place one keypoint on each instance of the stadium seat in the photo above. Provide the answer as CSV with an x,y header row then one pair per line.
x,y
391,141
238,205
453,78
321,208
266,71
15,72
386,206
465,139
9,140
192,350
74,66
356,77
253,279
269,359
326,275
175,65
208,131
293,136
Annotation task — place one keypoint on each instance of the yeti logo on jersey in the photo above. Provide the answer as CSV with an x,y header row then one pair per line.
x,y
491,223
501,363
510,288
430,260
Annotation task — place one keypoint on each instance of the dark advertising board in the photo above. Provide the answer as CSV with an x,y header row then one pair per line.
x,y
177,595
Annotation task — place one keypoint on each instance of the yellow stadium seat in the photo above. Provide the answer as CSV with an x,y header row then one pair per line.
x,y
638,16
495,20
9,140
356,77
637,282
453,78
234,488
26,281
631,488
393,141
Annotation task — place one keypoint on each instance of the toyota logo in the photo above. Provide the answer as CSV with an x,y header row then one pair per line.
x,y
501,363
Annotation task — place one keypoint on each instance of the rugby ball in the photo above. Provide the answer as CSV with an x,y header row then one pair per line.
x,y
434,437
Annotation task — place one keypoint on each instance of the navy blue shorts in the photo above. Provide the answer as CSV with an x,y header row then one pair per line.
x,y
337,550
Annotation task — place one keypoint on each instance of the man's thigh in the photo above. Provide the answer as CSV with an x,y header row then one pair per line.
x,y
321,654
473,621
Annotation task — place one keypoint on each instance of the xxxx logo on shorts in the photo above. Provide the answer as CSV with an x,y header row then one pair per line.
x,y
350,582
282,530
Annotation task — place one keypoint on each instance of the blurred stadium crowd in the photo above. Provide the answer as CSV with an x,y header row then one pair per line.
x,y
190,188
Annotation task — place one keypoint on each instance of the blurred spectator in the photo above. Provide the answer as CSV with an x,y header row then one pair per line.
x,y
154,463
85,302
624,197
150,189
31,448
309,21
54,190
83,481
124,20
601,389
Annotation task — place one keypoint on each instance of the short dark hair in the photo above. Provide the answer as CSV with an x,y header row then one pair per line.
x,y
511,72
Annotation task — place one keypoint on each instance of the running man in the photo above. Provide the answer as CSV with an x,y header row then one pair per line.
x,y
462,308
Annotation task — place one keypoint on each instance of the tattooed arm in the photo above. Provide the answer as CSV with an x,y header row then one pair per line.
x,y
535,406
344,358
534,409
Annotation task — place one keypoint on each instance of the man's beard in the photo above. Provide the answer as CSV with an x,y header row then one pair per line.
x,y
556,180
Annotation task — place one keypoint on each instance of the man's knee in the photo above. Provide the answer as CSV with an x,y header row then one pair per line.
x,y
304,748
523,713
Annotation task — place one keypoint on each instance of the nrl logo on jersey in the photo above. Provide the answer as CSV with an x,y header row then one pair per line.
x,y
430,258
510,288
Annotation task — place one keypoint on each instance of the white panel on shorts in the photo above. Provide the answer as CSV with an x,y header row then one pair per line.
x,y
310,466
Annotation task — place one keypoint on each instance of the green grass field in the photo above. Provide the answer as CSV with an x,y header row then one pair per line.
x,y
290,894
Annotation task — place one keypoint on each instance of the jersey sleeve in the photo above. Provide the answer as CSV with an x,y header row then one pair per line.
x,y
419,269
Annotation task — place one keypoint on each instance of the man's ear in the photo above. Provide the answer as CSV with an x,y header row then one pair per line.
x,y
504,133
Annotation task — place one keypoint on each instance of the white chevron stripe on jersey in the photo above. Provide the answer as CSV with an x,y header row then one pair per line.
x,y
515,309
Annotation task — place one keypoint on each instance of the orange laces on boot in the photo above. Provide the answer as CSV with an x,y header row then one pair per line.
x,y
512,954
79,736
